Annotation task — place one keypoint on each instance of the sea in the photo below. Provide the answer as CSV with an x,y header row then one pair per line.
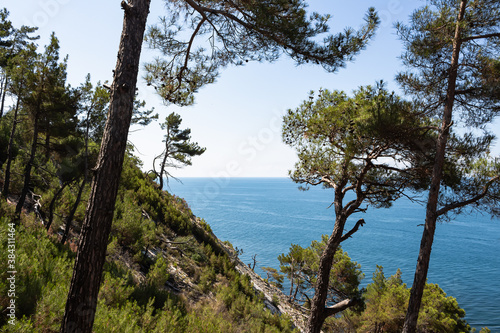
x,y
264,216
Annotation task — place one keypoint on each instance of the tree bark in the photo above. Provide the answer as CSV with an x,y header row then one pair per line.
x,y
318,310
417,290
82,299
52,205
29,166
6,183
71,215
3,93
165,156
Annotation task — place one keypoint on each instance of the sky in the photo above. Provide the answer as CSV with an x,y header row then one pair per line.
x,y
238,118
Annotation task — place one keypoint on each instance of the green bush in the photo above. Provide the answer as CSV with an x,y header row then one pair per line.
x,y
386,303
158,273
42,280
207,279
115,290
35,273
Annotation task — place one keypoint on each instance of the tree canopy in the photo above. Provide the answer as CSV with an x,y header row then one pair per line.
x,y
197,39
340,139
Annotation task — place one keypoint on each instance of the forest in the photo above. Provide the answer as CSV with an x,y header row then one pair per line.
x,y
91,240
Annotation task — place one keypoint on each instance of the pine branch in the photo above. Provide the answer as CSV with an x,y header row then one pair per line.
x,y
466,39
464,203
360,223
341,306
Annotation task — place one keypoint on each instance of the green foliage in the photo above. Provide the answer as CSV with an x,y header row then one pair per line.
x,y
205,226
344,140
244,309
207,279
429,42
6,211
12,40
178,148
301,266
386,301
158,274
115,290
130,228
472,103
125,319
201,39
39,278
274,277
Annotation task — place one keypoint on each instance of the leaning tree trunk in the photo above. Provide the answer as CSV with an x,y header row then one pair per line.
x,y
10,155
319,312
53,204
82,299
417,290
72,213
27,169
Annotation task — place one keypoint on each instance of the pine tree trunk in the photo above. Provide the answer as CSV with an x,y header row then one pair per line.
x,y
164,161
3,93
47,144
422,268
6,183
71,215
82,299
28,167
52,205
318,304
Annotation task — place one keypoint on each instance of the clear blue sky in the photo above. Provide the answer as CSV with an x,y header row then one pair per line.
x,y
238,118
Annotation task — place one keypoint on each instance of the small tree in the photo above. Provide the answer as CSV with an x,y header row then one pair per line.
x,y
371,146
274,277
178,148
292,266
300,266
452,55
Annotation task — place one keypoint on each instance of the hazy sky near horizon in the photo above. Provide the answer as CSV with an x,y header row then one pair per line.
x,y
238,118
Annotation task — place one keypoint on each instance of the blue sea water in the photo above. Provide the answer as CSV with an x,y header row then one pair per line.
x,y
264,216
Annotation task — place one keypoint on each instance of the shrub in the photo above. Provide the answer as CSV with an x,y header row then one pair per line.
x,y
386,303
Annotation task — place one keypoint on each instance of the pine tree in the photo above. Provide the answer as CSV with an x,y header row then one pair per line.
x,y
346,144
12,42
44,86
452,55
20,66
178,148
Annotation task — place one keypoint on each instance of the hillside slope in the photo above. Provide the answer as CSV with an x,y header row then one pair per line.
x,y
165,271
